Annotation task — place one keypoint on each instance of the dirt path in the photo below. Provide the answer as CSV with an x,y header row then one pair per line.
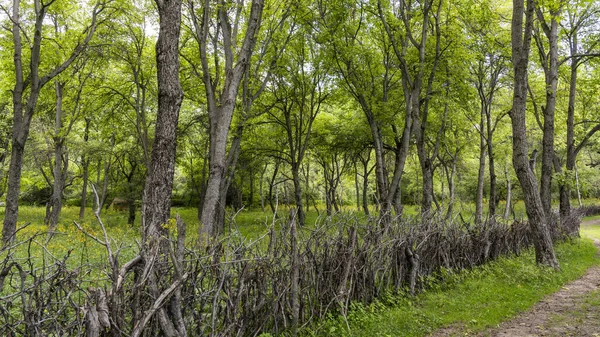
x,y
572,311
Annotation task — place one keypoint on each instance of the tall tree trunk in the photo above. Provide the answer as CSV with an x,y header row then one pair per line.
x,y
159,181
365,187
251,195
508,194
272,186
160,174
550,65
356,188
260,188
107,165
326,181
381,176
56,199
565,189
13,190
481,173
203,180
298,195
221,110
427,176
416,107
521,44
85,163
451,186
493,202
307,185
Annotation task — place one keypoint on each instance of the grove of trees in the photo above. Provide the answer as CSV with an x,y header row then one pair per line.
x,y
328,105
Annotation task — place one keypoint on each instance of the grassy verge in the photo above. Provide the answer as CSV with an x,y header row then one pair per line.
x,y
473,299
592,231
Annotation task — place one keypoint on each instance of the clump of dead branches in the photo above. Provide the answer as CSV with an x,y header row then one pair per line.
x,y
289,278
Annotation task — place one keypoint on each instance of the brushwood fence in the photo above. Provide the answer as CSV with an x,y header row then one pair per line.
x,y
290,278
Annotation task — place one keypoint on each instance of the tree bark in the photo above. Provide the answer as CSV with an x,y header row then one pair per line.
x,y
157,202
59,175
159,182
356,188
220,110
493,202
298,196
451,185
550,66
481,173
85,163
260,187
521,44
508,194
272,186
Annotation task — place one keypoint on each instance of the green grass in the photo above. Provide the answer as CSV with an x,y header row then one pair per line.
x,y
471,300
591,231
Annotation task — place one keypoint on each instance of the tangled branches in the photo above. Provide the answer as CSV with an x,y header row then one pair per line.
x,y
234,287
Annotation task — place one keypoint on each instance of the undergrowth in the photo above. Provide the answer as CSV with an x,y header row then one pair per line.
x,y
473,299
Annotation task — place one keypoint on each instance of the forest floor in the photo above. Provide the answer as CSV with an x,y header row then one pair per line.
x,y
572,311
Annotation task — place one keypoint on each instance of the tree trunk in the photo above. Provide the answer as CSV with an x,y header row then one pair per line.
x,y
326,181
203,181
160,174
251,195
577,186
107,165
451,187
221,112
493,202
307,185
23,114
12,195
131,211
56,199
565,189
521,44
356,188
159,181
85,163
550,65
381,178
427,173
271,186
260,188
365,187
508,194
298,195
481,174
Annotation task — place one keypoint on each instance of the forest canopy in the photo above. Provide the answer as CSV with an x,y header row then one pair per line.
x,y
331,105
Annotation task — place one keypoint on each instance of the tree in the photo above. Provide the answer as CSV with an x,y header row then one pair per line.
x,y
549,61
364,64
4,147
581,17
300,90
416,22
521,45
159,182
81,73
27,87
221,86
